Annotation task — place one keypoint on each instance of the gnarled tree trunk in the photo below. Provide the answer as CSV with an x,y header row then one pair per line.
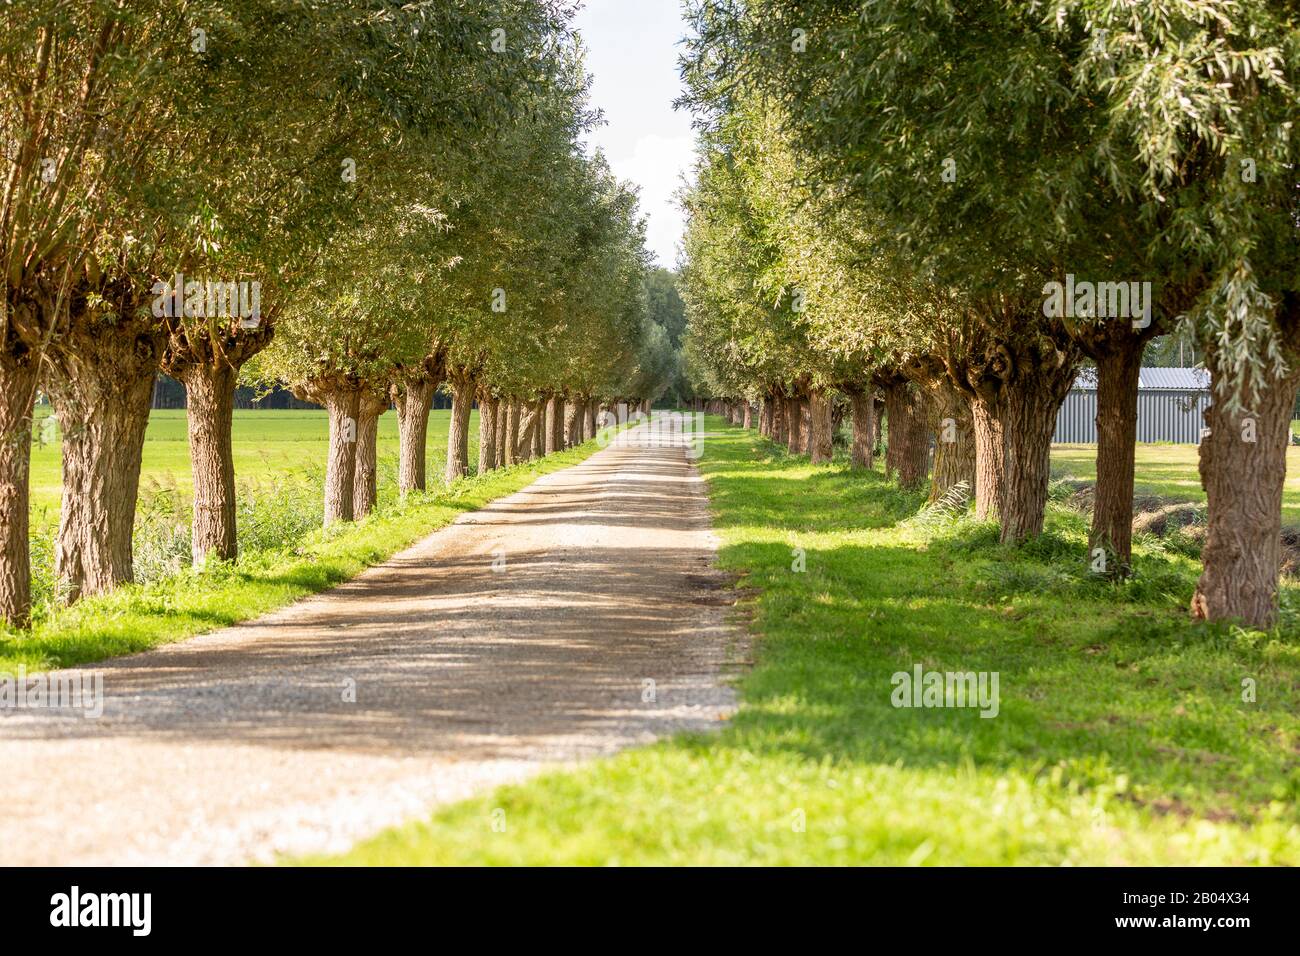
x,y
512,430
954,449
1033,398
344,407
554,425
487,432
101,383
502,430
365,476
414,398
572,423
462,403
795,440
539,429
864,428
1112,507
907,454
19,369
990,456
823,439
210,408
1243,481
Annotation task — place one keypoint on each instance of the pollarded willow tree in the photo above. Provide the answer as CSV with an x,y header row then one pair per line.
x,y
1005,150
370,81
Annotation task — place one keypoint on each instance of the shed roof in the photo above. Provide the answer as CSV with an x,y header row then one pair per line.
x,y
1159,379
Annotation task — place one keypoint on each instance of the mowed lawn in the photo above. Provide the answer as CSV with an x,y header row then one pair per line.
x,y
1169,471
1126,733
267,444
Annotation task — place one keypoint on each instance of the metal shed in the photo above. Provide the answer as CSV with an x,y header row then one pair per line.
x,y
1171,403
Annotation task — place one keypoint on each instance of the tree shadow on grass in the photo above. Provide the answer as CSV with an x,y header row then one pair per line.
x,y
1088,689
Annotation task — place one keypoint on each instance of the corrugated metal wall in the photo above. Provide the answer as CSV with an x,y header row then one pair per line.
x,y
1172,416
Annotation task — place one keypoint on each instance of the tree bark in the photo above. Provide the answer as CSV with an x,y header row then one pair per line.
x,y
414,398
1112,508
572,427
101,383
344,407
589,425
210,405
512,430
502,431
487,432
365,476
462,403
990,457
954,450
908,451
780,416
19,370
749,415
527,429
795,441
822,437
1033,399
539,429
1243,482
864,427
554,425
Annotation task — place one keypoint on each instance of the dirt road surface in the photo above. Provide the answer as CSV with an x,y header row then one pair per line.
x,y
522,637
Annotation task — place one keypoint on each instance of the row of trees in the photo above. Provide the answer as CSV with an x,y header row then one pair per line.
x,y
886,193
360,199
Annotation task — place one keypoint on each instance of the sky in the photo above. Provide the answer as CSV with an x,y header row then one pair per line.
x,y
632,49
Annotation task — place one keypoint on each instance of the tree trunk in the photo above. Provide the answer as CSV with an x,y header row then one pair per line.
x,y
990,457
1029,419
344,407
502,431
365,476
414,398
764,416
462,403
539,430
954,450
487,432
1112,508
1243,481
908,451
589,426
780,417
823,447
554,425
210,403
749,415
795,441
101,386
527,428
864,427
571,426
18,378
512,430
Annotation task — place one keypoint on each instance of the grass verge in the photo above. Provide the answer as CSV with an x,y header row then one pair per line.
x,y
1122,737
139,617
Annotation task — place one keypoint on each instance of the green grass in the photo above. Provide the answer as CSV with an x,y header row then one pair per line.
x,y
1122,736
1170,472
180,604
265,443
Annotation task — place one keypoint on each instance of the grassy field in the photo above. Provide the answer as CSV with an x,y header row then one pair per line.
x,y
1122,735
266,444
1170,472
285,555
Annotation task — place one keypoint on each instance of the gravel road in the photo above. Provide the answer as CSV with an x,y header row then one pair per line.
x,y
521,637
